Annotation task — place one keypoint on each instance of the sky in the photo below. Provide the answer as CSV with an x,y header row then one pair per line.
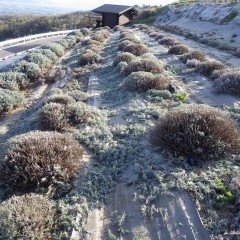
x,y
91,4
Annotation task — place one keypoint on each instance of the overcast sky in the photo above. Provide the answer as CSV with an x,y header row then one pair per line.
x,y
90,4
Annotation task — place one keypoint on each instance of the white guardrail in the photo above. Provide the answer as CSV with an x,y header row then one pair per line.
x,y
22,40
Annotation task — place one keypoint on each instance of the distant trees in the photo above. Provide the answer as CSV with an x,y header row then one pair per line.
x,y
19,26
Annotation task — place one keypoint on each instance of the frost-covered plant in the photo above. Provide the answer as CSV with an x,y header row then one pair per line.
x,y
132,39
168,41
60,98
136,49
47,52
160,36
89,58
53,116
78,95
85,31
13,80
81,113
121,66
206,68
27,217
192,55
56,48
32,70
41,60
144,65
48,160
91,42
153,34
192,63
76,33
95,48
198,132
158,95
123,57
178,49
10,100
63,43
123,44
228,83
218,73
144,81
99,37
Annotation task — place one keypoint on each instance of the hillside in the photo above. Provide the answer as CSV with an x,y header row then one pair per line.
x,y
212,24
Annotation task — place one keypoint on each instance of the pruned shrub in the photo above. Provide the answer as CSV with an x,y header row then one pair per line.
x,y
206,68
99,37
160,36
193,55
121,66
47,52
123,57
90,42
168,41
136,49
53,116
47,160
90,58
192,63
132,40
32,70
85,31
78,95
41,60
13,80
27,217
56,48
63,43
144,81
123,44
10,100
153,34
75,33
60,98
228,83
81,113
178,49
93,47
198,132
145,65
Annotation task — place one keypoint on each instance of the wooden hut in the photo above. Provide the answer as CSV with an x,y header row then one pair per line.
x,y
113,15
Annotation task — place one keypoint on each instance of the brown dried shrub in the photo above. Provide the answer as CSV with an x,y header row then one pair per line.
x,y
118,28
206,68
48,160
178,49
123,57
95,48
168,41
153,34
228,83
192,55
90,42
160,36
192,63
89,58
123,44
53,116
60,98
27,217
136,49
197,131
127,34
132,40
144,81
99,37
145,65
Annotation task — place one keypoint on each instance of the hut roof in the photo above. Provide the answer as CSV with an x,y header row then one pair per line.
x,y
110,8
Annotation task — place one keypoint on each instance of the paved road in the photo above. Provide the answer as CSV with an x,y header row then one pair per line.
x,y
23,47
